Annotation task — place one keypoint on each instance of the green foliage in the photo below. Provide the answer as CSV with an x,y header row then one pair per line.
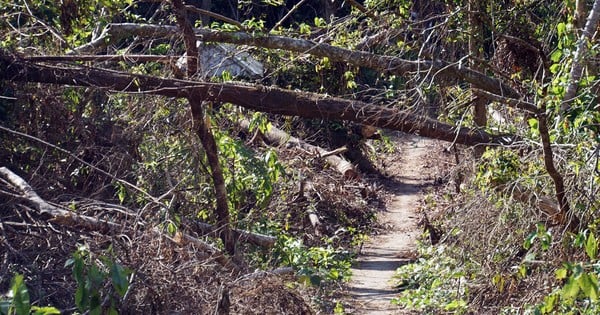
x,y
16,301
73,21
314,265
91,275
435,283
540,234
578,294
497,167
246,175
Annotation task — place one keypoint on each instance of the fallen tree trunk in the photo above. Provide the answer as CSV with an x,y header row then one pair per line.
x,y
260,98
250,237
390,64
86,223
279,137
58,215
545,204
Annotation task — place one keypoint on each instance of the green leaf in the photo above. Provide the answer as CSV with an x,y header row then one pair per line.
x,y
522,271
171,228
555,57
455,304
81,298
561,28
45,310
120,278
20,295
570,290
591,246
529,240
320,22
589,285
549,303
122,194
561,273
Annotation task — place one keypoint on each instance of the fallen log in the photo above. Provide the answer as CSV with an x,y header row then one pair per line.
x,y
82,222
545,204
260,98
279,137
390,64
58,215
250,237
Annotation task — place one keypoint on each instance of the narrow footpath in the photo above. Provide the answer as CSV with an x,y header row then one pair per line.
x,y
371,288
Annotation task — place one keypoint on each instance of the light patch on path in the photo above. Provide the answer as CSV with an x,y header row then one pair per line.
x,y
371,288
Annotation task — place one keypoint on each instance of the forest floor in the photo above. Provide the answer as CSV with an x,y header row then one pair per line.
x,y
394,244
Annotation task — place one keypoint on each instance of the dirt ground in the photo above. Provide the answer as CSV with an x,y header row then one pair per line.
x,y
371,288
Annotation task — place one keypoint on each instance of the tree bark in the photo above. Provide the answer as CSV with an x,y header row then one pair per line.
x,y
279,137
475,43
387,64
250,237
256,97
565,216
578,59
205,135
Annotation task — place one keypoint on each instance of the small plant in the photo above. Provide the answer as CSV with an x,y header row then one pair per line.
x,y
434,283
91,276
16,301
314,265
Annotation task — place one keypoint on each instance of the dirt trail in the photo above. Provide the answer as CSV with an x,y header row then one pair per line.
x,y
371,288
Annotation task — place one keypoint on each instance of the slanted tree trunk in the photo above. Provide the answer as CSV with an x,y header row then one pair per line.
x,y
476,9
205,135
565,217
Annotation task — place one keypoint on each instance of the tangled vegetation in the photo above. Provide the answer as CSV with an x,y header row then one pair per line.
x,y
167,156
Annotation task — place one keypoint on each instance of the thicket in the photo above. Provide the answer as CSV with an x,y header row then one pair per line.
x,y
153,196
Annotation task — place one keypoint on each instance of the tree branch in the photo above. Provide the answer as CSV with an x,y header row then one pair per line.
x,y
582,49
390,64
565,216
58,215
256,97
279,137
205,135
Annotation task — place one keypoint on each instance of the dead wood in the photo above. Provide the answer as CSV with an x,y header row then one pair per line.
x,y
389,64
250,237
203,131
58,215
546,204
260,98
583,44
279,137
86,223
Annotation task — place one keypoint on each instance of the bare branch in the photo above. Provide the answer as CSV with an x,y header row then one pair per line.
x,y
98,58
256,97
578,63
511,102
58,215
292,10
215,16
388,64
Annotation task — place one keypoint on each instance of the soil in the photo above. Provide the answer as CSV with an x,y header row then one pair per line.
x,y
371,288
